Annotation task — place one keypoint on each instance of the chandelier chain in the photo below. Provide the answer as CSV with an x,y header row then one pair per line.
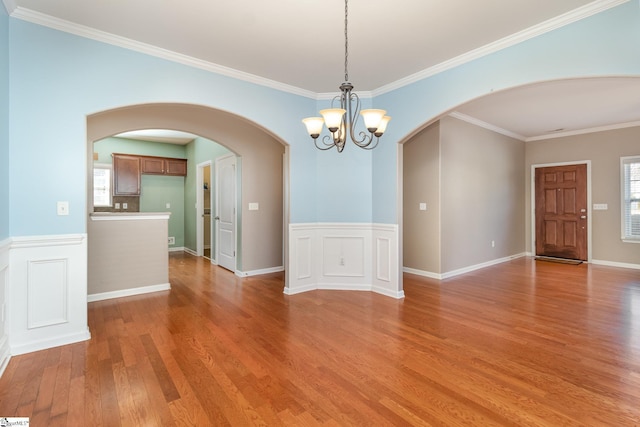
x,y
346,41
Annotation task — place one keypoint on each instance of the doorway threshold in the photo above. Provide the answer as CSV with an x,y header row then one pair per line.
x,y
559,260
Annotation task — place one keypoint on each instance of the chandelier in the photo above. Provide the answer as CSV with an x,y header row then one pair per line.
x,y
341,121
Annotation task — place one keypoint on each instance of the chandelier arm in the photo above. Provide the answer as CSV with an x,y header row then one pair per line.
x,y
365,140
327,143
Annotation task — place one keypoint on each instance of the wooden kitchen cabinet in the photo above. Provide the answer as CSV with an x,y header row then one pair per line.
x,y
152,165
126,175
163,166
176,167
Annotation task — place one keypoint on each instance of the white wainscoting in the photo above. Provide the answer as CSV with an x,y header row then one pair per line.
x,y
5,352
344,256
47,292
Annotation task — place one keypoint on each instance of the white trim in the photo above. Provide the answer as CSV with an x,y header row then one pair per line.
x,y
112,39
422,273
360,256
178,249
487,126
259,272
463,270
5,353
623,216
190,251
200,205
102,36
584,131
615,264
532,190
583,12
37,345
108,216
54,328
40,241
128,292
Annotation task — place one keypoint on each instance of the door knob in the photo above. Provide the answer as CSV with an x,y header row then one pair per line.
x,y
583,217
217,218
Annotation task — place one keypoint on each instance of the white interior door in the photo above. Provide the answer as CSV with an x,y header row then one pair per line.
x,y
226,212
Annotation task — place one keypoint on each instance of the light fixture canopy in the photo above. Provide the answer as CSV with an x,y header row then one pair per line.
x,y
341,121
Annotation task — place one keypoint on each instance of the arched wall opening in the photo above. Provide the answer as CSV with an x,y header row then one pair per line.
x,y
475,199
264,170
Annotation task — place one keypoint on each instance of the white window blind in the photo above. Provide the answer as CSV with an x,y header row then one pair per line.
x,y
630,174
102,185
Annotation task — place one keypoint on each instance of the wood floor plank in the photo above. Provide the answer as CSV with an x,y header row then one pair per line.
x,y
522,343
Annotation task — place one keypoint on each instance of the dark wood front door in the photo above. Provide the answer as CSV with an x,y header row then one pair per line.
x,y
561,211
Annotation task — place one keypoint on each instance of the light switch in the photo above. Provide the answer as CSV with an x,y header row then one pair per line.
x,y
168,205
600,206
254,206
423,206
117,206
124,206
63,208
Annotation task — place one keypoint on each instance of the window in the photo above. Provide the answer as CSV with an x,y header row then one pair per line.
x,y
101,185
630,173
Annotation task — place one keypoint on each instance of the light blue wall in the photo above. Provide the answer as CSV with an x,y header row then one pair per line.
x,y
57,79
61,78
4,124
605,44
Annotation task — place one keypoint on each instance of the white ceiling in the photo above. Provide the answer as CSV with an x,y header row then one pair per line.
x,y
299,45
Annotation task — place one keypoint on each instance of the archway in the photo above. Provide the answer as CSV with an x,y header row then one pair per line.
x,y
263,175
539,111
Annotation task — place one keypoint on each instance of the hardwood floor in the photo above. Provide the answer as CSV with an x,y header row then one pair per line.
x,y
524,343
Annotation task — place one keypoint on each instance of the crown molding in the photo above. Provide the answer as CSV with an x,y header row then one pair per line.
x,y
584,131
102,36
10,6
527,34
112,39
487,126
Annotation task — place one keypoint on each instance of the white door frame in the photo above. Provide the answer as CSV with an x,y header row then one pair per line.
x,y
533,202
200,206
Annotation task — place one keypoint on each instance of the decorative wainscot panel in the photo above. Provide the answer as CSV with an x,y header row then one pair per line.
x,y
344,257
48,292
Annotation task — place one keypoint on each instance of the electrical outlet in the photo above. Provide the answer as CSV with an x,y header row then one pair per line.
x,y
117,206
493,243
124,206
63,208
172,240
168,205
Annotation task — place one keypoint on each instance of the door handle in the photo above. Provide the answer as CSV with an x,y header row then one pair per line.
x,y
583,217
217,218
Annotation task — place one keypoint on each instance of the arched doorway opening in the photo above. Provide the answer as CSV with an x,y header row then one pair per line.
x,y
262,175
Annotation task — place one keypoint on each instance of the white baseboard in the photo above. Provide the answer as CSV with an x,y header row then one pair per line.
x,y
28,347
128,292
190,251
422,273
615,264
463,270
259,272
5,354
177,249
